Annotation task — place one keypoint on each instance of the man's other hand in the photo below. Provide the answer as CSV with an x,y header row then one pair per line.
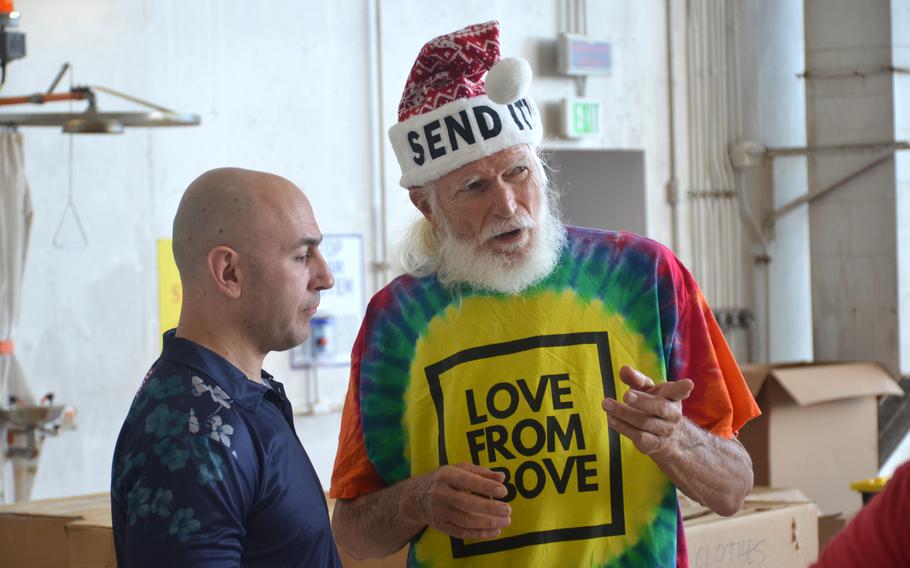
x,y
459,500
652,414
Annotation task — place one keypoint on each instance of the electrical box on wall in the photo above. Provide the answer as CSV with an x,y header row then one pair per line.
x,y
580,118
583,55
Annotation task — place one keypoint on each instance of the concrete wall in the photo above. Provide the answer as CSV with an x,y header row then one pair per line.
x,y
900,55
266,87
284,87
853,230
773,113
601,189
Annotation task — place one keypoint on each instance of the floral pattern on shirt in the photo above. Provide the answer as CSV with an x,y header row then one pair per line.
x,y
178,438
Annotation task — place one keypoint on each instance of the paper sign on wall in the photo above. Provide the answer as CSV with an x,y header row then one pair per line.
x,y
170,291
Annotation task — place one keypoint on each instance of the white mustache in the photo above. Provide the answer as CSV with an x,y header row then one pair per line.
x,y
520,222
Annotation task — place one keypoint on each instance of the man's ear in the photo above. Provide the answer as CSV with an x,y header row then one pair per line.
x,y
421,201
224,271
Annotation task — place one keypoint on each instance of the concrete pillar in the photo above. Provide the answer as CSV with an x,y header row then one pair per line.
x,y
850,99
773,102
900,56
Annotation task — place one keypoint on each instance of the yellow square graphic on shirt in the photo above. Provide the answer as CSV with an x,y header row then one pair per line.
x,y
526,408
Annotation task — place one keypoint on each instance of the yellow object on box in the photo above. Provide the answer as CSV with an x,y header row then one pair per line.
x,y
869,488
170,291
872,485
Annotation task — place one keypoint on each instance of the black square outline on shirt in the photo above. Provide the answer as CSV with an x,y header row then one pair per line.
x,y
599,339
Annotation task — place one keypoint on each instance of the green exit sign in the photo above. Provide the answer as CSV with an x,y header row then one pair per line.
x,y
581,118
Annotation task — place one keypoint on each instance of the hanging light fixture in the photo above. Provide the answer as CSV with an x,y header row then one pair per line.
x,y
91,120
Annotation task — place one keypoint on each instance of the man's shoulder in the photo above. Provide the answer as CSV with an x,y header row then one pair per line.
x,y
175,402
180,422
172,384
585,240
403,286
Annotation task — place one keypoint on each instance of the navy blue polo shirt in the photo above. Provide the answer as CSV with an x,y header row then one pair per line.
x,y
208,471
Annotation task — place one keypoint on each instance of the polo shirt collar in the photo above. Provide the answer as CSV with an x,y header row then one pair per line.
x,y
243,391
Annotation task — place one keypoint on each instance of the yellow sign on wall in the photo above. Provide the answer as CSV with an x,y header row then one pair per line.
x,y
170,292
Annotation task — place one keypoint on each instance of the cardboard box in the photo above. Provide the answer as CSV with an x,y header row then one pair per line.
x,y
775,528
73,532
828,527
780,533
819,428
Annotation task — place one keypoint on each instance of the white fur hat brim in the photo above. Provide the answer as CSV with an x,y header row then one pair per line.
x,y
430,145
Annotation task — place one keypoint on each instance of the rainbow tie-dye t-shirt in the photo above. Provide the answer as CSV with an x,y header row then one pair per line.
x,y
515,384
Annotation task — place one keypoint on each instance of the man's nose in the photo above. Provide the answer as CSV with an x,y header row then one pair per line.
x,y
323,279
504,204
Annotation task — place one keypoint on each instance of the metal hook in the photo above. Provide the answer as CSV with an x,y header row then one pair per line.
x,y
70,208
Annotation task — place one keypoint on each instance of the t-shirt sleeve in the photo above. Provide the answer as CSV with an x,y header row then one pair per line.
x,y
182,495
879,535
695,348
353,473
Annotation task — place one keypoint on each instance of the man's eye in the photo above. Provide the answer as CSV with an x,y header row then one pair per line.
x,y
302,257
519,170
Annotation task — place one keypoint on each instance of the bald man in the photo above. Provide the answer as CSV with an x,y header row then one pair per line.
x,y
208,469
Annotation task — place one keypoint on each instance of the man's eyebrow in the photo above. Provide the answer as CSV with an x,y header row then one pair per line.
x,y
468,180
308,242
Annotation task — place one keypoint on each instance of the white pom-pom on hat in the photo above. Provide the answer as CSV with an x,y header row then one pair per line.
x,y
508,80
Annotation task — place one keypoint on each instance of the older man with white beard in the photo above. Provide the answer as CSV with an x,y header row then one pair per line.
x,y
529,394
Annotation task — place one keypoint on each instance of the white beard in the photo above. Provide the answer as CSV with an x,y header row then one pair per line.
x,y
509,270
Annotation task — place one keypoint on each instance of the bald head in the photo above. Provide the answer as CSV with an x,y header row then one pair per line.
x,y
226,206
247,247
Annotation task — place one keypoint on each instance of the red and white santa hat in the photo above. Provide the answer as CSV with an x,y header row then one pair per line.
x,y
462,103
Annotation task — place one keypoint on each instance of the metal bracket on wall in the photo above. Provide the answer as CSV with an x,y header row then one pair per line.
x,y
889,149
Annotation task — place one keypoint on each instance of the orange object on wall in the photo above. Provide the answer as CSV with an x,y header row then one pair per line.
x,y
6,6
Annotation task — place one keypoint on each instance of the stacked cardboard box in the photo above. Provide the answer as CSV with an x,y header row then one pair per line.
x,y
73,532
775,528
819,428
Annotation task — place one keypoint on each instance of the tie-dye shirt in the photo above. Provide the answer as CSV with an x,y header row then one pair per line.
x,y
515,383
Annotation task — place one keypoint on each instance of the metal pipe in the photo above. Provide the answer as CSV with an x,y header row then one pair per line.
x,y
847,73
813,195
673,182
693,62
56,81
807,150
133,99
715,149
41,98
377,154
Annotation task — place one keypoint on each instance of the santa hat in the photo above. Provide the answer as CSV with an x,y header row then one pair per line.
x,y
462,103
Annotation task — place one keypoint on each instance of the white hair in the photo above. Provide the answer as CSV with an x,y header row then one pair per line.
x,y
427,251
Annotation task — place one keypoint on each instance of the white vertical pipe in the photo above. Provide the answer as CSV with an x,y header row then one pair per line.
x,y
377,151
718,138
705,181
673,181
717,151
570,15
692,155
702,187
584,15
733,244
710,165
